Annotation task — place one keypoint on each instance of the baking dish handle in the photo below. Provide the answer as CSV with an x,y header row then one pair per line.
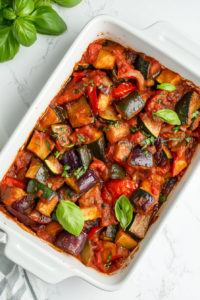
x,y
33,258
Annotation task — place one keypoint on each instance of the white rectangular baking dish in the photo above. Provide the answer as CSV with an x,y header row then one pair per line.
x,y
174,50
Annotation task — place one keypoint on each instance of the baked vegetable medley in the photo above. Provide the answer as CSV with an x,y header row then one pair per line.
x,y
105,155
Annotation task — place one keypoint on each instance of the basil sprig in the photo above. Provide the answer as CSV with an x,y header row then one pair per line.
x,y
123,211
70,217
166,87
169,116
21,19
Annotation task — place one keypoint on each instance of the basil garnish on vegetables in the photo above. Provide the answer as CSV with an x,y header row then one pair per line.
x,y
70,217
123,211
169,116
166,87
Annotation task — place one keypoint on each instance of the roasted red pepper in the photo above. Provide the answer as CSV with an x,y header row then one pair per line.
x,y
179,162
123,89
92,95
79,75
93,232
12,183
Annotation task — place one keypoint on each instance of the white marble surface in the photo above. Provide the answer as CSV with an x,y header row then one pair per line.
x,y
171,270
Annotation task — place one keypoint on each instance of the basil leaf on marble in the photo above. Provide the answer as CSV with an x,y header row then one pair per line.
x,y
7,13
39,3
9,46
67,3
24,32
23,7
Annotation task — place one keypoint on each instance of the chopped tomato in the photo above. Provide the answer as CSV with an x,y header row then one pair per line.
x,y
94,232
137,137
123,89
23,159
106,196
132,122
101,168
92,52
85,135
12,182
107,215
125,70
79,75
119,187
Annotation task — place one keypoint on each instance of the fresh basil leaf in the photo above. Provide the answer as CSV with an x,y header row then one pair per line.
x,y
123,211
24,32
169,116
39,3
8,13
166,87
67,3
23,7
47,21
9,46
3,22
70,217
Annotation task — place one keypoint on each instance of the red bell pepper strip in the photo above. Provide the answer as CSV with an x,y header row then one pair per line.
x,y
160,94
93,232
123,89
119,187
92,95
79,75
114,257
14,183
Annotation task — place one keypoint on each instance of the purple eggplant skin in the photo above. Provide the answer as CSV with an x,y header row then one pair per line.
x,y
138,158
23,204
87,181
89,225
170,185
71,243
71,159
21,217
143,200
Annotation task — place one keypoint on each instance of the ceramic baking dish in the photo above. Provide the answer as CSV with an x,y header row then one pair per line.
x,y
174,50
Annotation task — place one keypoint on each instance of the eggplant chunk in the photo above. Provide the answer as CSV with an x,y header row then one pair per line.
x,y
140,224
71,243
87,181
71,159
140,159
21,217
143,199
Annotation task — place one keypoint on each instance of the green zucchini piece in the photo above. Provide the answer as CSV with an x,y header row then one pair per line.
x,y
84,66
110,232
86,253
143,66
139,224
109,114
113,75
59,112
117,172
33,187
37,171
130,106
166,152
97,149
85,155
149,126
79,112
53,164
187,106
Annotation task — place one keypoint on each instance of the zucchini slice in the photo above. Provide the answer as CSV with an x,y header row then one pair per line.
x,y
71,181
62,133
46,208
40,190
105,60
40,144
143,199
110,233
60,112
148,125
143,66
117,172
166,152
168,76
91,213
85,155
130,106
97,149
139,224
125,240
187,106
53,164
37,171
49,118
79,113
109,114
